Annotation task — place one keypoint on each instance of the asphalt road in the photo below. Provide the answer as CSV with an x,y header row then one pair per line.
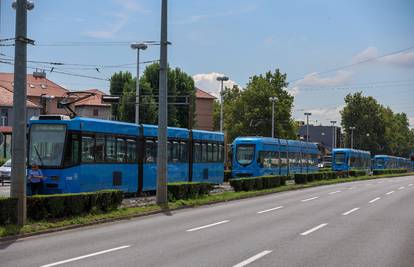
x,y
366,223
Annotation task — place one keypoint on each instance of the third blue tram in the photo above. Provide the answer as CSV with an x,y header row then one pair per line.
x,y
257,156
346,159
84,154
391,162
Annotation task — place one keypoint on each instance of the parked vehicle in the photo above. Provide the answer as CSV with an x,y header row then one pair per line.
x,y
391,162
5,171
84,154
257,156
346,159
326,162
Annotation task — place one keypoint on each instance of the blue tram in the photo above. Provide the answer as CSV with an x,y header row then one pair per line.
x,y
346,159
257,156
84,154
391,162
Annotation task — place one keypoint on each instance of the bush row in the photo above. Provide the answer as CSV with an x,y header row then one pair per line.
x,y
388,171
257,183
186,190
42,207
303,178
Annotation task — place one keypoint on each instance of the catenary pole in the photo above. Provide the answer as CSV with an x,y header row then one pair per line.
x,y
162,113
18,180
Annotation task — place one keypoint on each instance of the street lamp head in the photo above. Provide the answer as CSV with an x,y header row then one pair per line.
x,y
139,46
29,4
352,128
222,79
272,98
307,113
333,122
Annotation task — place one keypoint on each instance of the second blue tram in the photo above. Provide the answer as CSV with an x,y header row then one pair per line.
x,y
84,154
391,162
258,156
346,159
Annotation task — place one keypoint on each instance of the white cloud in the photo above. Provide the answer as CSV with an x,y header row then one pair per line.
x,y
404,59
208,82
368,54
411,121
321,115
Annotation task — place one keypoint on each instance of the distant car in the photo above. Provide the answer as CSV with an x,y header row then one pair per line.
x,y
5,171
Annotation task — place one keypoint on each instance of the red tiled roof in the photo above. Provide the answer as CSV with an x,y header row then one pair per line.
x,y
5,129
35,86
94,100
202,94
6,99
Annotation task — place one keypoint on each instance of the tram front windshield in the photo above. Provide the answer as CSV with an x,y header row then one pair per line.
x,y
46,144
380,162
245,154
339,158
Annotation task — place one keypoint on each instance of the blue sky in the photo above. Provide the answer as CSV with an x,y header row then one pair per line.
x,y
238,38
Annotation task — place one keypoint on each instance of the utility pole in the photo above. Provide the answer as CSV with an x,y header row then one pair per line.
x,y
273,100
138,47
352,128
162,113
333,134
221,79
18,183
307,114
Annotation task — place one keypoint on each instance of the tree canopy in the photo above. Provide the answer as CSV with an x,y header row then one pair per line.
x,y
377,128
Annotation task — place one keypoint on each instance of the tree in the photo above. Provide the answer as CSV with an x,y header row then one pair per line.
x,y
249,111
117,82
377,128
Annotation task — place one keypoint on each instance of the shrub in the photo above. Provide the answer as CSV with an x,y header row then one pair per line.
x,y
236,184
8,211
257,183
186,190
271,181
248,184
301,178
388,171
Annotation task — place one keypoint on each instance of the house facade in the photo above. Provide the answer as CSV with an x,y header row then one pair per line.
x,y
204,110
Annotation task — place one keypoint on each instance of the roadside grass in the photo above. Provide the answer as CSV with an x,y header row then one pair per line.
x,y
33,227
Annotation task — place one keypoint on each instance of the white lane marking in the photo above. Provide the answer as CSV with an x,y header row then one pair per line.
x,y
84,256
350,188
401,188
206,226
350,211
263,211
309,199
314,229
334,192
252,259
389,193
410,185
375,199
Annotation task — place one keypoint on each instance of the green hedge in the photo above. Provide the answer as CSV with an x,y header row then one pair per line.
x,y
227,175
8,211
303,178
42,207
355,173
257,183
2,161
388,171
187,190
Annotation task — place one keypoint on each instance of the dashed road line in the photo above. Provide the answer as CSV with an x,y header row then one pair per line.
x,y
314,229
272,209
375,199
85,256
401,188
350,211
334,192
309,199
389,193
410,185
206,226
252,259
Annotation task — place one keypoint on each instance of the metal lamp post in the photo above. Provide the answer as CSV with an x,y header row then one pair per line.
x,y
221,79
307,114
333,134
352,128
273,99
138,47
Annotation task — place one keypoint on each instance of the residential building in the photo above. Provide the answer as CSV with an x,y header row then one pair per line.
x,y
321,135
204,110
93,106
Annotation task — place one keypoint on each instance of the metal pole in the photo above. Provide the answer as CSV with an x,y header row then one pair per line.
x,y
221,107
137,92
307,128
352,138
162,113
18,183
273,119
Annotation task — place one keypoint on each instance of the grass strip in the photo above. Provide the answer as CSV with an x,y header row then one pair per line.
x,y
33,227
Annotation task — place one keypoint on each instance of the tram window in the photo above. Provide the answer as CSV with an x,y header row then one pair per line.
x,y
183,152
150,152
221,153
209,152
131,148
88,149
110,149
215,152
275,159
99,148
283,159
197,152
72,150
203,152
120,150
175,152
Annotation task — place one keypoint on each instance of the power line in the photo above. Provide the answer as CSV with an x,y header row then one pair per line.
x,y
103,43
